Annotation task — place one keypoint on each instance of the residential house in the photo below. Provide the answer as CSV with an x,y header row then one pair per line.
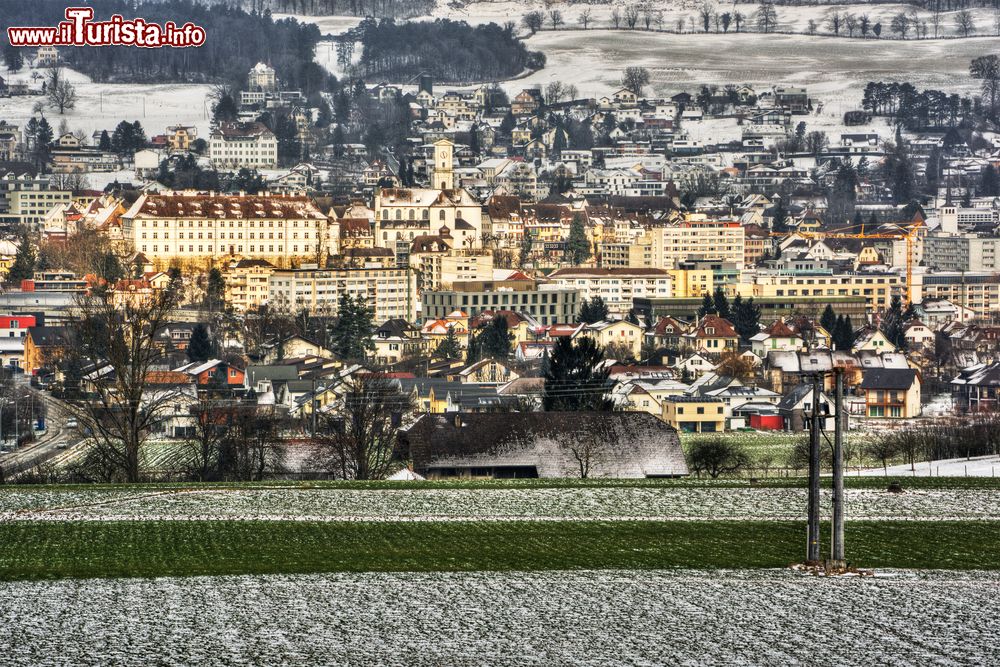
x,y
891,392
694,414
397,340
713,335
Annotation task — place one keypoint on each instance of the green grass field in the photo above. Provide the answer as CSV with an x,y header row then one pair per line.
x,y
181,548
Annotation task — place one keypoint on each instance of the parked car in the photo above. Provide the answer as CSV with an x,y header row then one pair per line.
x,y
72,423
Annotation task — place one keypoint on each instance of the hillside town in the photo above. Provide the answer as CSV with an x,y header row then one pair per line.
x,y
504,235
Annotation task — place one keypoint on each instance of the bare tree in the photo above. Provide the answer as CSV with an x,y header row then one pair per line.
x,y
851,24
738,19
834,22
864,25
205,441
60,92
965,25
717,456
900,24
588,449
631,16
554,92
110,350
252,448
556,18
767,17
360,440
584,17
616,18
635,79
533,21
811,27
705,13
571,92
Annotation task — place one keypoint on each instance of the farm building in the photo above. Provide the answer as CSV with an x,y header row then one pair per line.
x,y
543,444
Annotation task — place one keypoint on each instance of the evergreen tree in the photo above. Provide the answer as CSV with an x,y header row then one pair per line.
x,y
200,347
991,183
575,381
843,196
225,110
473,352
352,332
593,311
893,321
495,340
828,320
721,303
843,335
215,290
13,58
779,217
23,267
577,243
449,348
105,142
746,318
707,305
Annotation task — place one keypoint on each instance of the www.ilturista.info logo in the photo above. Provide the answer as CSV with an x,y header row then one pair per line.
x,y
80,30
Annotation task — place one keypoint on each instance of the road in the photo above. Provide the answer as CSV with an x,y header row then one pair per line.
x,y
57,438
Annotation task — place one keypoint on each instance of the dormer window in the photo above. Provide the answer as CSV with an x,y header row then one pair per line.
x,y
710,331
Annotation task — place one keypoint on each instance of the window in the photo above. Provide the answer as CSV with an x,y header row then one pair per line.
x,y
701,411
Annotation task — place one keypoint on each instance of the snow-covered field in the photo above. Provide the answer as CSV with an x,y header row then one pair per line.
x,y
101,106
688,14
834,70
979,466
487,504
765,617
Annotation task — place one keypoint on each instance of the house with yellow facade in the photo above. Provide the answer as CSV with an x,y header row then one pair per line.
x,y
695,414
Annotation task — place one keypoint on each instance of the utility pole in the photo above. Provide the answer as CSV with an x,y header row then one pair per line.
x,y
812,547
837,542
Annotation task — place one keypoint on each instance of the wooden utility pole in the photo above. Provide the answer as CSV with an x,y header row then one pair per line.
x,y
812,546
837,541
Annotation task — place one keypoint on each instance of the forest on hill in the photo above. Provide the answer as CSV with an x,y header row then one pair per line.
x,y
450,51
236,41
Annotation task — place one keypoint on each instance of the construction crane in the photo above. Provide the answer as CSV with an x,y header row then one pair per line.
x,y
909,235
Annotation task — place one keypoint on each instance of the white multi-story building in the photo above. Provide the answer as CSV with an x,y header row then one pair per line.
x,y
238,145
697,238
389,292
616,287
195,227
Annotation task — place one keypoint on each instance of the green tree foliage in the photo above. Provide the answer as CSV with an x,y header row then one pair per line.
x,y
893,323
215,290
721,302
449,348
779,217
707,305
843,195
592,311
201,347
828,320
843,334
577,243
128,138
352,332
745,317
899,172
495,340
23,267
574,380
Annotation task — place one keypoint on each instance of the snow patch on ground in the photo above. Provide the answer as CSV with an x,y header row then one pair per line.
x,y
684,617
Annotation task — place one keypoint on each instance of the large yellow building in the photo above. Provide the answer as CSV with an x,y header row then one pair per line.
x,y
877,288
197,228
246,283
391,293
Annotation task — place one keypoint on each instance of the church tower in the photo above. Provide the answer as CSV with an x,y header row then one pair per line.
x,y
444,177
